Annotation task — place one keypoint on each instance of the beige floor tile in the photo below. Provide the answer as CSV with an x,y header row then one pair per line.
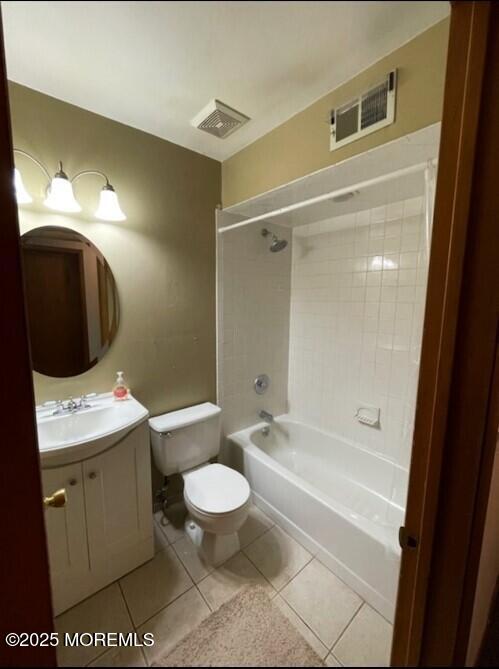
x,y
121,657
160,518
366,641
103,612
160,539
227,580
298,623
278,556
324,602
173,533
256,524
154,585
172,523
191,559
331,661
170,625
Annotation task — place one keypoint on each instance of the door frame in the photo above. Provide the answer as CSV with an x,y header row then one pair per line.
x,y
455,380
26,604
451,461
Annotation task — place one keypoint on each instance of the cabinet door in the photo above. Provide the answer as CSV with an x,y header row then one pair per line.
x,y
119,506
67,536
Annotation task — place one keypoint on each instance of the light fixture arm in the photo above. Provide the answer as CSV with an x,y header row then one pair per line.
x,y
85,172
36,161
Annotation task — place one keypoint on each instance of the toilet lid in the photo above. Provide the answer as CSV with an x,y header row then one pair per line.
x,y
216,489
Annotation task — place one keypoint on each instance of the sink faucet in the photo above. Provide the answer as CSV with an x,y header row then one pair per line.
x,y
266,416
72,406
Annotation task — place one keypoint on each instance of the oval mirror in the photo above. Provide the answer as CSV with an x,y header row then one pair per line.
x,y
71,300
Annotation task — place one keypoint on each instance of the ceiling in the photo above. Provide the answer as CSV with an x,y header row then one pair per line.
x,y
155,65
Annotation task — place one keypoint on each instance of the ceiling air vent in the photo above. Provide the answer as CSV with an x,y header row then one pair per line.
x,y
369,112
219,119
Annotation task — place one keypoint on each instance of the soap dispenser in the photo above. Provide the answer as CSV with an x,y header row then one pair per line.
x,y
120,388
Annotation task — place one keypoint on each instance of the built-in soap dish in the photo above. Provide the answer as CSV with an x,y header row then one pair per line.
x,y
368,415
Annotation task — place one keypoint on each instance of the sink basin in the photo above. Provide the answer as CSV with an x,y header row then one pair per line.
x,y
70,437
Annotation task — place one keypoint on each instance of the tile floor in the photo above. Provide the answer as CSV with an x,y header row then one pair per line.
x,y
172,593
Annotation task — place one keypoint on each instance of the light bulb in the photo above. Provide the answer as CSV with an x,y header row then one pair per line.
x,y
109,208
60,194
22,195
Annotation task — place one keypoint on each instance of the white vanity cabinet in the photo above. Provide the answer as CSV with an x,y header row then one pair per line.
x,y
105,529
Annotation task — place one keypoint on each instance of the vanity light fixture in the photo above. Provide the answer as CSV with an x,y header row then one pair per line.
x,y
60,195
109,208
22,195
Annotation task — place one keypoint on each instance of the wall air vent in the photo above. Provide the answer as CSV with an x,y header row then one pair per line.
x,y
219,119
371,111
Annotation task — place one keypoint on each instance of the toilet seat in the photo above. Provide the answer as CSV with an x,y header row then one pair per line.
x,y
216,490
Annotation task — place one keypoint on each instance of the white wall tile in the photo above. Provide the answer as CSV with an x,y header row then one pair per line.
x,y
360,341
335,320
253,317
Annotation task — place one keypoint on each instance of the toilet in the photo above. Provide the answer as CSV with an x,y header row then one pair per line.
x,y
217,497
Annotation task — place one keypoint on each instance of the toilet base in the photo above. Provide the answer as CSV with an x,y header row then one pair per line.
x,y
214,548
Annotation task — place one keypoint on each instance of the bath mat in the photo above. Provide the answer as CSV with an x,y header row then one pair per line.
x,y
247,631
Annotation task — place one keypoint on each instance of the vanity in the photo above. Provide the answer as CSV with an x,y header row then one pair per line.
x,y
94,450
100,455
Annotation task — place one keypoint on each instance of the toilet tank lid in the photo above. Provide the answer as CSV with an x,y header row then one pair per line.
x,y
174,420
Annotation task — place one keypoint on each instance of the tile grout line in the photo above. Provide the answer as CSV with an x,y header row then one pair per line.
x,y
131,620
335,658
204,598
193,585
342,633
278,593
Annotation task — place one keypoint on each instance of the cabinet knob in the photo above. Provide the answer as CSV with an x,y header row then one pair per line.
x,y
73,481
56,500
92,475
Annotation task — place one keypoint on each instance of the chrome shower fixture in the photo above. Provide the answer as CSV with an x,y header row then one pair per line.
x,y
276,244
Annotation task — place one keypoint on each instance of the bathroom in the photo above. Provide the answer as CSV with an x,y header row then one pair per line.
x,y
225,275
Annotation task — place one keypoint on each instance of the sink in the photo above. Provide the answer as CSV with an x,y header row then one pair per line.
x,y
70,437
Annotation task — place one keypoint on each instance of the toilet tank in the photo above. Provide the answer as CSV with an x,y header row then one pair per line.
x,y
186,438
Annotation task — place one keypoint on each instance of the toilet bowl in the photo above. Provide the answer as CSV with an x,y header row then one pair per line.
x,y
217,500
217,497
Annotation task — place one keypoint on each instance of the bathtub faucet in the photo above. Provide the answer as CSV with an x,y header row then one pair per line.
x,y
266,416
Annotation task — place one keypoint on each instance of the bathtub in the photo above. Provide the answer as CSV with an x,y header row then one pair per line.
x,y
343,502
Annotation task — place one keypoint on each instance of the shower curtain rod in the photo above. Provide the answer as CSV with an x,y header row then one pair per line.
x,y
328,196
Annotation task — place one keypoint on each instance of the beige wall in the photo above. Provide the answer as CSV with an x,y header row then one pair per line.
x,y
162,257
301,145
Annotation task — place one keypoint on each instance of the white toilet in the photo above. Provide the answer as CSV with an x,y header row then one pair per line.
x,y
217,497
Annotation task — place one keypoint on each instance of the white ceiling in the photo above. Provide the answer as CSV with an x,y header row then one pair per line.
x,y
154,65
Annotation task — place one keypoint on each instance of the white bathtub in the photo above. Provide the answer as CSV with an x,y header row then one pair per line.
x,y
343,502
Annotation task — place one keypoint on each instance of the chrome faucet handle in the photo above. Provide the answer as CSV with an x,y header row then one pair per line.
x,y
84,403
59,407
71,404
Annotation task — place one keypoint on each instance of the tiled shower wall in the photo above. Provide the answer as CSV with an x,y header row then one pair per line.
x,y
253,324
357,303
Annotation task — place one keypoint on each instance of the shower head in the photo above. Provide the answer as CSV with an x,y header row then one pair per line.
x,y
276,244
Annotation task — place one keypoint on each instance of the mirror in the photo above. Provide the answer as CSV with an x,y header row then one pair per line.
x,y
71,300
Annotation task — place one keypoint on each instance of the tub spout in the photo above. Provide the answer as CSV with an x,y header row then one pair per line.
x,y
266,416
